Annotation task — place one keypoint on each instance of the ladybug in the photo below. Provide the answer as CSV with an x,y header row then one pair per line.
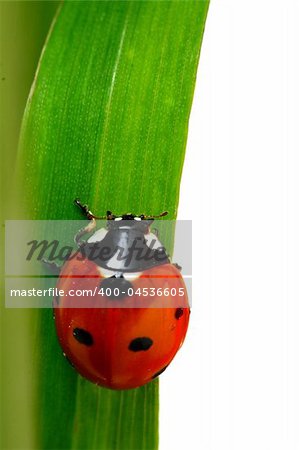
x,y
125,337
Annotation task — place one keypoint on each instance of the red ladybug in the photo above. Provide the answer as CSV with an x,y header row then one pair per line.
x,y
126,336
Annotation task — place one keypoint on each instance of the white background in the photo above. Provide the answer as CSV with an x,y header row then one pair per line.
x,y
235,383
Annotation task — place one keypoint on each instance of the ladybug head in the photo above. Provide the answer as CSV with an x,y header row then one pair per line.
x,y
129,220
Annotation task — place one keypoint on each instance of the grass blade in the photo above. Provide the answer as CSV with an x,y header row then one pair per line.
x,y
106,121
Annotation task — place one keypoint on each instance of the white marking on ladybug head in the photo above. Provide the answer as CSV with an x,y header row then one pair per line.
x,y
124,226
106,273
116,260
132,275
98,235
152,241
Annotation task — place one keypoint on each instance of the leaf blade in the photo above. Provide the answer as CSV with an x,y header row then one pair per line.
x,y
106,121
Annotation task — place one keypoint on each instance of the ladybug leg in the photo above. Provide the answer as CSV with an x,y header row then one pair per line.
x,y
90,227
51,267
177,266
86,211
162,214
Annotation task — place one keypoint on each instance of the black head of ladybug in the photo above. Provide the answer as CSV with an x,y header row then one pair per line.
x,y
129,221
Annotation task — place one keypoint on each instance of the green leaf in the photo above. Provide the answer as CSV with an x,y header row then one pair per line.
x,y
106,121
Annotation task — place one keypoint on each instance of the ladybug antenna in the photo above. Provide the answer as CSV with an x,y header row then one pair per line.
x,y
86,211
162,214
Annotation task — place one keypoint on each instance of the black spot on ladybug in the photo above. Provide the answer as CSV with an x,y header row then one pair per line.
x,y
140,344
178,313
160,371
115,288
83,336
